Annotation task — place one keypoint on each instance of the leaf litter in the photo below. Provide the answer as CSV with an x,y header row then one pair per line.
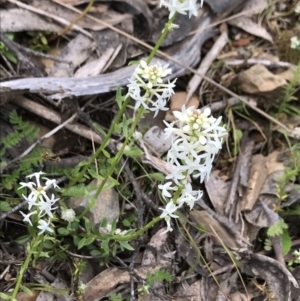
x,y
218,251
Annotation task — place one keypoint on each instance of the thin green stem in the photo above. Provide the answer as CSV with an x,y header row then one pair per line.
x,y
139,232
114,163
104,142
23,269
161,39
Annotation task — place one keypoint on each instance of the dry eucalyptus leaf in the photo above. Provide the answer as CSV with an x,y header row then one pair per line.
x,y
251,27
277,276
18,19
94,67
208,222
259,80
217,196
76,51
254,6
258,175
104,283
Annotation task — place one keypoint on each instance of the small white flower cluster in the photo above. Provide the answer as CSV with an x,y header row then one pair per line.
x,y
197,139
297,9
182,6
108,227
68,215
39,199
146,86
295,43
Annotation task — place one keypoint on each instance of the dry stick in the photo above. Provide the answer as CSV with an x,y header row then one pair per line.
x,y
207,61
51,16
255,61
55,117
76,20
21,58
261,112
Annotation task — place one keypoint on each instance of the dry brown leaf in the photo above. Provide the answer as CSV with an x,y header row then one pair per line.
x,y
207,221
251,27
259,80
258,175
95,67
217,196
76,51
18,19
103,284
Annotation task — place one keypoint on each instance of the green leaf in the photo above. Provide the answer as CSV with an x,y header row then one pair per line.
x,y
76,240
156,176
277,228
105,246
119,98
4,206
26,290
22,239
95,253
48,244
99,129
103,223
44,40
106,153
286,242
126,245
87,224
86,241
63,231
11,57
133,152
5,297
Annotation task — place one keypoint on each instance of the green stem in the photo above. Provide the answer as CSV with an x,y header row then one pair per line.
x,y
23,269
139,232
104,142
161,38
114,163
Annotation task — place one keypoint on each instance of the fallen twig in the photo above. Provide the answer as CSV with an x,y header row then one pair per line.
x,y
207,61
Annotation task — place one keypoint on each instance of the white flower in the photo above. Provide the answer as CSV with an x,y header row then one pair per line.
x,y
38,198
68,215
165,187
169,228
169,210
295,43
146,86
189,196
27,216
45,206
177,174
50,183
37,176
181,6
44,226
297,9
31,201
